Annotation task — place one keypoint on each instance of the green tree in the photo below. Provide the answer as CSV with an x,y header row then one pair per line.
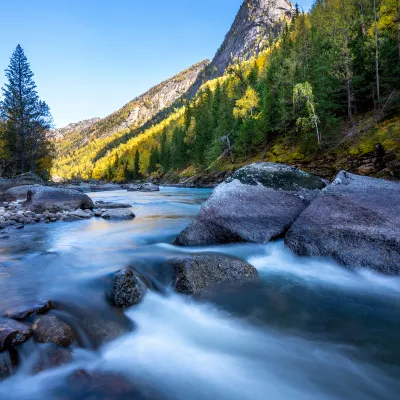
x,y
304,99
28,119
136,166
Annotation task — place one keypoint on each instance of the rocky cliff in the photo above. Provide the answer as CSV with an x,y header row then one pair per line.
x,y
257,24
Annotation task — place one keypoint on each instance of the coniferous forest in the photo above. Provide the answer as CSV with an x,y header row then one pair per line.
x,y
324,84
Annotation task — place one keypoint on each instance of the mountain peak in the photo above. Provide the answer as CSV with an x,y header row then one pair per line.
x,y
255,23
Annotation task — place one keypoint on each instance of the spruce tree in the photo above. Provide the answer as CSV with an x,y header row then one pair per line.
x,y
136,166
28,119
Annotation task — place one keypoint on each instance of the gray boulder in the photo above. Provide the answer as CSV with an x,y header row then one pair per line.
x,y
28,178
127,289
196,274
123,214
143,187
356,221
50,329
256,204
111,206
51,199
18,192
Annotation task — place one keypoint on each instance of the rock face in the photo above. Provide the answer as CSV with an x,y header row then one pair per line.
x,y
50,329
28,178
127,289
51,199
255,23
256,204
13,333
356,221
194,275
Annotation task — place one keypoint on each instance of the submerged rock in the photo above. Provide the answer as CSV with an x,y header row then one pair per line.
x,y
356,221
13,333
8,362
127,289
50,329
118,214
51,199
195,274
52,357
256,204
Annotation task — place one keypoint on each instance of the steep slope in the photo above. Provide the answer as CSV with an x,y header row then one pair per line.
x,y
75,127
131,116
257,24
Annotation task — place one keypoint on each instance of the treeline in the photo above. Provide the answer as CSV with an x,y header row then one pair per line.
x,y
25,122
328,67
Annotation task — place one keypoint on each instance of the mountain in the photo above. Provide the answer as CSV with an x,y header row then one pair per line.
x,y
257,24
132,115
64,133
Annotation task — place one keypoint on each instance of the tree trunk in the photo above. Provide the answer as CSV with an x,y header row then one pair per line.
x,y
363,29
348,78
376,53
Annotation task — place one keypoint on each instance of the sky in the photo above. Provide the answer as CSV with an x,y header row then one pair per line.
x,y
90,57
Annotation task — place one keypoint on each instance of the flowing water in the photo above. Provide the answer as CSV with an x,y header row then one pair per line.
x,y
307,329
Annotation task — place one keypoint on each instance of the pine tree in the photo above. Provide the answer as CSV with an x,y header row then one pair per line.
x,y
28,118
136,166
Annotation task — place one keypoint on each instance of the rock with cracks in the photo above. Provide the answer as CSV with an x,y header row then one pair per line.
x,y
356,221
196,274
256,204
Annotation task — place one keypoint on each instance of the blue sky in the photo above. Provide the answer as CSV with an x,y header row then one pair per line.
x,y
90,57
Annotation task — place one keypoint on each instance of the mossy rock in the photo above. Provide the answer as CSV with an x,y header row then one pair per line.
x,y
277,176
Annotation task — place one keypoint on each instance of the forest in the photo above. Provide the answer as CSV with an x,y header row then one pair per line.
x,y
329,71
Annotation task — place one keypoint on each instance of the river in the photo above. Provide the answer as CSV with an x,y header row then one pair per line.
x,y
307,329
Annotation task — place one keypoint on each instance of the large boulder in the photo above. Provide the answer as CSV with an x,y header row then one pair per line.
x,y
256,204
28,178
196,274
18,192
127,289
52,199
356,221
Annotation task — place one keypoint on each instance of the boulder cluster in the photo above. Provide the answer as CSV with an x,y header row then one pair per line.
x,y
354,220
26,200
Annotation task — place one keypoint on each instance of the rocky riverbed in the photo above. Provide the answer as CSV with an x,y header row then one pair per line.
x,y
92,309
